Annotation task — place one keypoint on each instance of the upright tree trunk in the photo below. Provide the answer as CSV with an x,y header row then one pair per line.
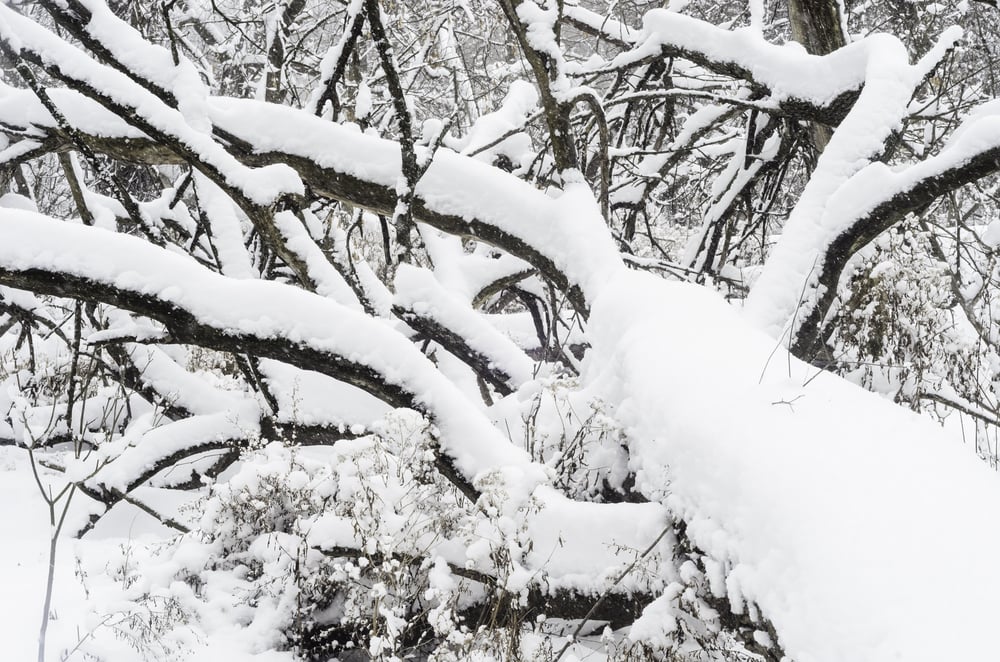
x,y
816,24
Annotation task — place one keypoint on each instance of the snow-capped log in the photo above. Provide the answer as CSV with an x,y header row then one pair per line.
x,y
285,323
265,319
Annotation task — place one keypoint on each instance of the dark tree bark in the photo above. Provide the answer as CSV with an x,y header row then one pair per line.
x,y
817,25
810,336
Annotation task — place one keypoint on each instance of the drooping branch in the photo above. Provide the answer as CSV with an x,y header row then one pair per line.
x,y
791,89
361,187
340,55
264,325
458,346
914,194
187,329
546,72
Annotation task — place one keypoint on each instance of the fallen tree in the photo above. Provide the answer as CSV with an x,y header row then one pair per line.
x,y
514,418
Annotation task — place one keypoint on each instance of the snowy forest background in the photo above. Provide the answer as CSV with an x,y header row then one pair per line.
x,y
499,330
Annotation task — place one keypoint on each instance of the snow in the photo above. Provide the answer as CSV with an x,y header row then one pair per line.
x,y
562,542
835,512
843,180
418,290
23,557
258,308
464,274
786,70
146,445
19,107
845,521
521,100
312,398
563,228
84,616
271,310
226,229
261,185
604,24
328,281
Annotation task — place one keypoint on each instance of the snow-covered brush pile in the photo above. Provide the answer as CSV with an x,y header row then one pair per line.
x,y
498,331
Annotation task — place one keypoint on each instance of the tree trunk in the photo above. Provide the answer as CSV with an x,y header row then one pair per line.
x,y
817,25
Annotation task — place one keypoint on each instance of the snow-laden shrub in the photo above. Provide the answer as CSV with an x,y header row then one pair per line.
x,y
332,553
576,435
898,307
903,330
319,551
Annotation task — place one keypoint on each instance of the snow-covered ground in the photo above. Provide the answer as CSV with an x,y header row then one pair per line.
x,y
24,521
89,617
24,552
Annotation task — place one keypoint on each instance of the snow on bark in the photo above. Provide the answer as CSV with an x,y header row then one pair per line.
x,y
785,288
844,518
269,312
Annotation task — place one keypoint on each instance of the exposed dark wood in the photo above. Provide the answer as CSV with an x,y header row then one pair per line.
x,y
809,335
